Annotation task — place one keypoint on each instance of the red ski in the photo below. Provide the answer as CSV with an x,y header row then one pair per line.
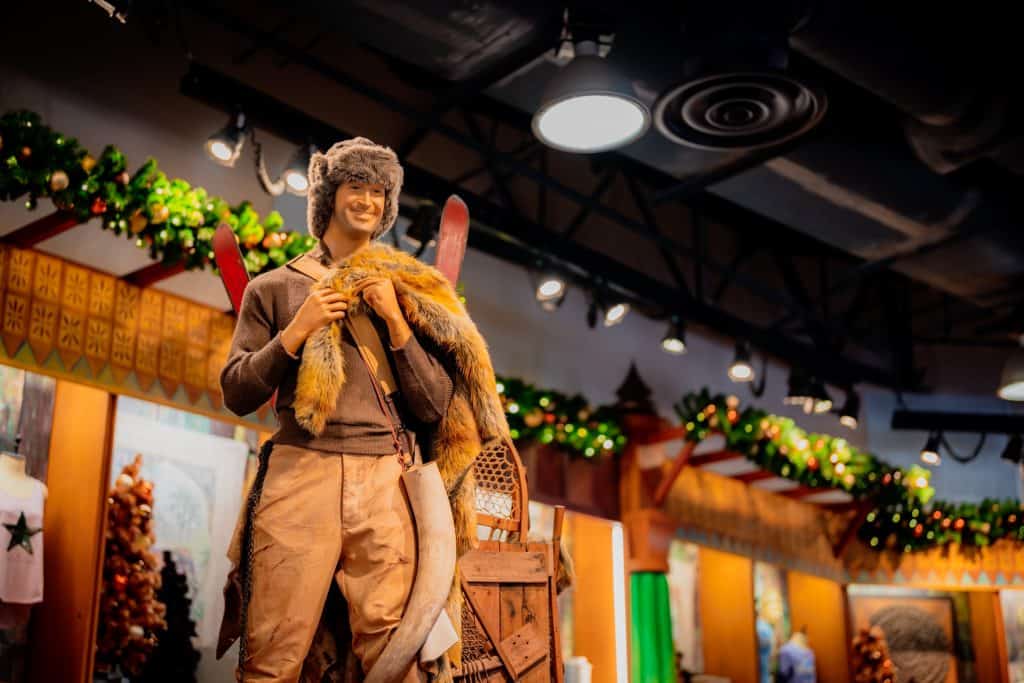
x,y
230,264
451,238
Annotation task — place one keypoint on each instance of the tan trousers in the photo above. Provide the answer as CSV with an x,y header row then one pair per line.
x,y
326,517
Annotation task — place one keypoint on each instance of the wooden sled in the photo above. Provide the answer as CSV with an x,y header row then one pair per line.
x,y
510,614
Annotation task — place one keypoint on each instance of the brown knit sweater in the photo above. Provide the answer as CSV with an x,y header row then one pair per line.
x,y
258,364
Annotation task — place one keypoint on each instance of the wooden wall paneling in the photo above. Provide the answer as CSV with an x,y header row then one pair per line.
x,y
820,605
63,626
593,596
725,589
35,424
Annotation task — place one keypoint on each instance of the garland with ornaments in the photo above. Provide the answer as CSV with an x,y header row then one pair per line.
x,y
568,422
905,515
170,218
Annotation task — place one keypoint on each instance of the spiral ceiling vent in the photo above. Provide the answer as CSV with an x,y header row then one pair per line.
x,y
738,111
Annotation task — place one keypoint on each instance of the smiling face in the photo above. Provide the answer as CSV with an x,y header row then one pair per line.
x,y
359,207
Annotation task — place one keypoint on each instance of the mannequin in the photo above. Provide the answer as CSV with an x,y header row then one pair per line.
x,y
796,660
22,498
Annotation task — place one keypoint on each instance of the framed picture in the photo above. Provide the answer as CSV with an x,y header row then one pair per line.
x,y
919,630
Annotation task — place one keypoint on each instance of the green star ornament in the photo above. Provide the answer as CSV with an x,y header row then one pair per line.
x,y
21,534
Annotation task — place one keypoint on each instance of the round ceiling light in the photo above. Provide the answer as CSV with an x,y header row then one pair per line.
x,y
588,107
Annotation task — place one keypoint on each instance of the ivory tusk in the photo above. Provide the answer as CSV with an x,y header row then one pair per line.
x,y
435,571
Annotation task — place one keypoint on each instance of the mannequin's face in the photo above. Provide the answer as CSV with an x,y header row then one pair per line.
x,y
359,207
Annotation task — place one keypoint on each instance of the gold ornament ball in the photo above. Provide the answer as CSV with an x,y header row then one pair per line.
x,y
59,181
138,222
124,482
534,418
160,213
88,162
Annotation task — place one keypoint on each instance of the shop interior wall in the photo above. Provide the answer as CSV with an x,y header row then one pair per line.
x,y
63,625
820,606
725,589
594,590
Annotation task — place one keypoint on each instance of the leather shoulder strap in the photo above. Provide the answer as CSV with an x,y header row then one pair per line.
x,y
308,266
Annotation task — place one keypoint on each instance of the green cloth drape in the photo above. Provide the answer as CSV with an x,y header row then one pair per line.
x,y
652,654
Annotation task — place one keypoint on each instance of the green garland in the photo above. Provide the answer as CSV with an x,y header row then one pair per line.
x,y
905,516
174,220
569,422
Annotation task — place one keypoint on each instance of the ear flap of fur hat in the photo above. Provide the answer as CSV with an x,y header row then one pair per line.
x,y
354,159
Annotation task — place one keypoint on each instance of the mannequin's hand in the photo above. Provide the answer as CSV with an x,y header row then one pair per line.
x,y
322,307
379,294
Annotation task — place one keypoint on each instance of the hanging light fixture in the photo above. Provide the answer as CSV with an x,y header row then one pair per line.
x,y
1011,384
589,107
930,452
850,412
616,313
798,391
1014,449
295,180
820,401
674,340
551,289
740,370
225,145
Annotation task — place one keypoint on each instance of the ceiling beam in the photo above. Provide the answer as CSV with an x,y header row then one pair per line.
x,y
147,276
41,229
977,423
756,475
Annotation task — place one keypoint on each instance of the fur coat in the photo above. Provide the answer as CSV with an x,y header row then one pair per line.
x,y
436,315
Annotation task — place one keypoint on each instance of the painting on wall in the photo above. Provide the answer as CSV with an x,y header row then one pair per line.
x,y
920,631
198,473
682,590
772,624
1012,604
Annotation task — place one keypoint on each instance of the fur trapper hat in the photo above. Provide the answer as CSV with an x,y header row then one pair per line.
x,y
354,159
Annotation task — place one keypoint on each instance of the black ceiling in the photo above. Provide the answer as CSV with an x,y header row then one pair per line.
x,y
891,225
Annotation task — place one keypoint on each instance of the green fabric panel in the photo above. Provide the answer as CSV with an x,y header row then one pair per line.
x,y
653,655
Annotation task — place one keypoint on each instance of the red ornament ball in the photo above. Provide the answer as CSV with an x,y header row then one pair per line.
x,y
812,463
120,582
98,206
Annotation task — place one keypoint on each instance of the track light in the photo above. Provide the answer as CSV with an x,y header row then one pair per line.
x,y
551,289
820,401
1013,451
740,370
225,145
615,313
798,392
850,411
930,452
589,107
295,178
674,340
1011,384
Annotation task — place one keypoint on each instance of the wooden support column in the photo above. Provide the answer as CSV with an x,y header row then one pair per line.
x,y
63,627
725,591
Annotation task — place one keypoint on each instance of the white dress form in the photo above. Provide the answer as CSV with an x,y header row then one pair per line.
x,y
22,500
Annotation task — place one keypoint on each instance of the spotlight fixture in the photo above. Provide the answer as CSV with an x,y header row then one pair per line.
x,y
820,401
550,290
799,388
930,452
1011,384
615,313
740,370
588,106
674,340
1014,449
225,145
295,180
850,412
